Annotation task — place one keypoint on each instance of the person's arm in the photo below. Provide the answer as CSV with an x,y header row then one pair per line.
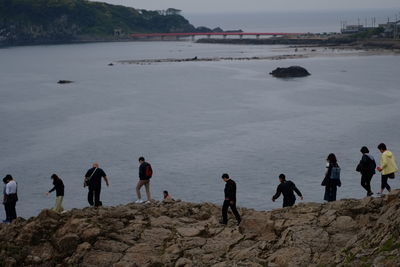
x,y
141,171
106,180
297,191
51,190
278,193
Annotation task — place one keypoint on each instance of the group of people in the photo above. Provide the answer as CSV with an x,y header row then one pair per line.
x,y
93,180
366,167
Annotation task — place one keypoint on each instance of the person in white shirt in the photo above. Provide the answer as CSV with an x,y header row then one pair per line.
x,y
10,198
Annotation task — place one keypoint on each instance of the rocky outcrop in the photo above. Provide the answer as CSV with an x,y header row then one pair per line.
x,y
290,72
343,233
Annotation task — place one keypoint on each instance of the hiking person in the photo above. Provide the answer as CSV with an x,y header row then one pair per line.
x,y
387,167
287,189
145,173
93,181
10,198
59,188
230,200
332,178
366,167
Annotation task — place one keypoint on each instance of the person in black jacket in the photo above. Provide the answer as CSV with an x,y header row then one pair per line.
x,y
286,188
331,183
366,167
59,188
145,173
230,200
93,181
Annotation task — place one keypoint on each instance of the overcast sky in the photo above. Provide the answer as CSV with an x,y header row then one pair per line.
x,y
224,6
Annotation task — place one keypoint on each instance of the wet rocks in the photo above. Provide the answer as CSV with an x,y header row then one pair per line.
x,y
290,72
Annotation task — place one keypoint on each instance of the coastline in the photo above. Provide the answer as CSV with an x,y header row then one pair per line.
x,y
348,232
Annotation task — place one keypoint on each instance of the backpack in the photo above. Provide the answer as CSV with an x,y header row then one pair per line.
x,y
371,164
335,173
148,171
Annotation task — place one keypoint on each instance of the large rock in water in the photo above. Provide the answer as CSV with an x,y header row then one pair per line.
x,y
293,71
350,232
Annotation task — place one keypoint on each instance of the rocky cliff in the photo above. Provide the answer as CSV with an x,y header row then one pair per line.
x,y
344,233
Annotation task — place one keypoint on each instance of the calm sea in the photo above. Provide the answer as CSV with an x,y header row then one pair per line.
x,y
193,121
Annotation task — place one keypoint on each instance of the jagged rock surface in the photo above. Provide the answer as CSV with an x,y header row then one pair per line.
x,y
343,233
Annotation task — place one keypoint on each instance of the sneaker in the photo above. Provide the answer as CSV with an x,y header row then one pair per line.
x,y
238,222
370,194
147,202
139,201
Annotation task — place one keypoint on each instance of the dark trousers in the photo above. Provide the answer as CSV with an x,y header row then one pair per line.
x,y
225,207
366,182
94,191
11,213
288,202
384,183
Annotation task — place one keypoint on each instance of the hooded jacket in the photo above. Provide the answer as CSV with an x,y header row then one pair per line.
x,y
388,163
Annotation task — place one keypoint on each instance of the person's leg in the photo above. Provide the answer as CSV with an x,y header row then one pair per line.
x,y
90,195
13,214
147,186
368,184
225,212
97,201
61,203
235,212
58,205
384,183
364,182
138,186
8,213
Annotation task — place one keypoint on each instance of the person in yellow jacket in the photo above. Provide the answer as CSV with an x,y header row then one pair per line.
x,y
387,166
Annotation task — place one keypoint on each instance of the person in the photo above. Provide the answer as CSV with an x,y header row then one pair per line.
x,y
166,195
145,173
230,200
10,198
367,169
332,179
59,188
387,167
93,181
287,189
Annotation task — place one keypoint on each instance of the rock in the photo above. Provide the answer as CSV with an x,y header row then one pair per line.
x,y
348,232
68,243
64,81
293,71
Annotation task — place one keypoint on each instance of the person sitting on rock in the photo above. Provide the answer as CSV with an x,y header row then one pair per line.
x,y
166,195
230,200
287,189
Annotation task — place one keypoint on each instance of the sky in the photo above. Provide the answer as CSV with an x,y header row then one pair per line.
x,y
241,6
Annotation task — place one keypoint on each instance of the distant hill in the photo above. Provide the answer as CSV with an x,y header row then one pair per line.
x,y
58,21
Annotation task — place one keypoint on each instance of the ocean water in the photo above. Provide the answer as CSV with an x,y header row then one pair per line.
x,y
192,121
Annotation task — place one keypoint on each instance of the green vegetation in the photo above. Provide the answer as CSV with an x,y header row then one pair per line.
x,y
30,21
390,245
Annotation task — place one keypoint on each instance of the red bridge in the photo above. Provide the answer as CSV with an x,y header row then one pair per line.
x,y
209,34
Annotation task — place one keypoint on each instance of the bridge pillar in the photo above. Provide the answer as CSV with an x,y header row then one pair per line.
x,y
241,36
192,38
